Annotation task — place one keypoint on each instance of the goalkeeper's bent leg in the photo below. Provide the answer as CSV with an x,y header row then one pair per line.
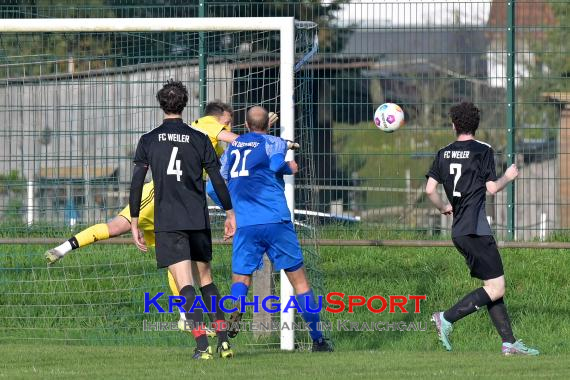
x,y
83,238
92,234
172,284
117,226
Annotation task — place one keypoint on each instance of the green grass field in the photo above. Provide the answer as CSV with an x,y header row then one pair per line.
x,y
78,362
88,309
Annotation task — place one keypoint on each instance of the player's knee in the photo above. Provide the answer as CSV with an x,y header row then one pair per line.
x,y
496,289
246,280
499,292
298,279
294,268
205,281
203,278
118,226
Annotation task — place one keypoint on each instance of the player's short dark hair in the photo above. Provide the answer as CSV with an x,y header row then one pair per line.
x,y
173,97
258,122
465,116
217,108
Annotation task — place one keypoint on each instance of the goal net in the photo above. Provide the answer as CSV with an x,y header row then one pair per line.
x,y
76,96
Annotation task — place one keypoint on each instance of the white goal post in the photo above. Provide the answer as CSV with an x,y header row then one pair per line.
x,y
286,28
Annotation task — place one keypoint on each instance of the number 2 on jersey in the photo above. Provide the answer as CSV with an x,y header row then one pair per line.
x,y
455,169
171,170
243,172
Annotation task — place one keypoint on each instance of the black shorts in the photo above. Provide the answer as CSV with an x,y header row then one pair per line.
x,y
481,255
175,246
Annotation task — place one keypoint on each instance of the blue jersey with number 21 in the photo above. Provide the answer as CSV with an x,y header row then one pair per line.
x,y
253,166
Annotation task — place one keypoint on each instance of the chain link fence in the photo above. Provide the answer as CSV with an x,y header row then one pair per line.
x,y
511,58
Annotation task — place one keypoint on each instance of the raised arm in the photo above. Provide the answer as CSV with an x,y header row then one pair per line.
x,y
276,152
511,173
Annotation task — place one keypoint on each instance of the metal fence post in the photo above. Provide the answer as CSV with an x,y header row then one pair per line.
x,y
202,62
511,156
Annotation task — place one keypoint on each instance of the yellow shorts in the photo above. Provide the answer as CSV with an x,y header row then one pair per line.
x,y
146,215
146,224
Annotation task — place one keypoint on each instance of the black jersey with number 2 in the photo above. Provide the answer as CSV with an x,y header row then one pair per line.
x,y
177,155
463,168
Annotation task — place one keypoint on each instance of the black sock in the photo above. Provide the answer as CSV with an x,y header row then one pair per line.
x,y
202,342
469,304
207,292
195,316
500,318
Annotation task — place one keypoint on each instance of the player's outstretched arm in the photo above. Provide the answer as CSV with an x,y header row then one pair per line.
x,y
433,195
277,163
226,136
273,118
511,173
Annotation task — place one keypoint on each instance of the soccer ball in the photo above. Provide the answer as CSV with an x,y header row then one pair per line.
x,y
389,117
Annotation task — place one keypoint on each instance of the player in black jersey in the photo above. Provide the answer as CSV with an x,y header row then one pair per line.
x,y
177,155
466,169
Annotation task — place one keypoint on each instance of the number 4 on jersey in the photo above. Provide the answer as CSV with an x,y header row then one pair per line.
x,y
171,170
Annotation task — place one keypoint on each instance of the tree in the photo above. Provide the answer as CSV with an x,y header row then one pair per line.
x,y
51,51
330,39
23,55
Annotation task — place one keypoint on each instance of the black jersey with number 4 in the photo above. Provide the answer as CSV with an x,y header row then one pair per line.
x,y
177,155
464,168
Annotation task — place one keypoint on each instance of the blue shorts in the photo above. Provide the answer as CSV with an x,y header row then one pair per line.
x,y
278,240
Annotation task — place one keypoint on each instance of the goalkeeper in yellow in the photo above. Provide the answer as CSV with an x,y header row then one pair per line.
x,y
216,124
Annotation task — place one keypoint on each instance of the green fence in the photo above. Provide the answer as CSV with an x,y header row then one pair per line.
x,y
509,57
73,105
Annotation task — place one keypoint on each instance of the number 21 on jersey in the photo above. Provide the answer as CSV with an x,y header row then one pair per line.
x,y
243,172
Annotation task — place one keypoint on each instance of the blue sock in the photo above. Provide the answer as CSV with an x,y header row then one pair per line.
x,y
238,290
312,319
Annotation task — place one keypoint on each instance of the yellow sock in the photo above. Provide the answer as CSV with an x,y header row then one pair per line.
x,y
172,284
92,234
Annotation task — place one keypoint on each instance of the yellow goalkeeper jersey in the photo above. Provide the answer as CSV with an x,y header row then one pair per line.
x,y
210,126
